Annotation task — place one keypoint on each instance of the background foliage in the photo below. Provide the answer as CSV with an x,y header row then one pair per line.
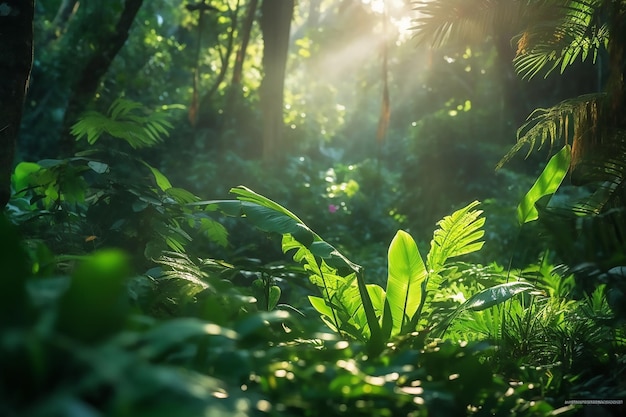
x,y
377,265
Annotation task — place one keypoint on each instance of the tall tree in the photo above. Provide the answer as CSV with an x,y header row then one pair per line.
x,y
16,57
276,18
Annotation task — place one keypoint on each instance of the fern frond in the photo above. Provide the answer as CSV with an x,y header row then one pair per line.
x,y
126,120
458,234
180,266
571,118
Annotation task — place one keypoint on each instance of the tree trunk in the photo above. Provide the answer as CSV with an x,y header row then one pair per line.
x,y
246,29
617,69
275,26
225,59
16,57
86,87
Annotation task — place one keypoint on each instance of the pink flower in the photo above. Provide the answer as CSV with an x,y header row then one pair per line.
x,y
332,208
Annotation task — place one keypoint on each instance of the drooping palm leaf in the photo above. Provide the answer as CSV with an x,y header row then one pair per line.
x,y
318,257
598,240
460,21
556,40
566,121
603,169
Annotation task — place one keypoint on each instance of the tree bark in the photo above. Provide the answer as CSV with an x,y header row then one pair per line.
x,y
617,69
224,58
246,29
16,57
276,18
86,87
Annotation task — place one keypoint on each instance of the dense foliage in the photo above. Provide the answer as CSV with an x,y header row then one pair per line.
x,y
161,257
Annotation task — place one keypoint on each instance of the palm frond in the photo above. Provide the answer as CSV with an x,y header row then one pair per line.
x,y
603,168
572,30
572,118
460,21
589,244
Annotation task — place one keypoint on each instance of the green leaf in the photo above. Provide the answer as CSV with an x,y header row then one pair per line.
x,y
497,294
246,194
98,167
181,195
270,216
547,184
273,297
22,175
174,333
406,273
258,323
457,235
125,120
321,307
340,294
270,220
483,300
162,182
214,231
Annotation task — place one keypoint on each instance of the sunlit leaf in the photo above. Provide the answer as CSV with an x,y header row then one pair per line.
x,y
547,184
21,175
273,297
497,294
162,182
458,234
406,273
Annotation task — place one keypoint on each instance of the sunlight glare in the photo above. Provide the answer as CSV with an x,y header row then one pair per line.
x,y
377,6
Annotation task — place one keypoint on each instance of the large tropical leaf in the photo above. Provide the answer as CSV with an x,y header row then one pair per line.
x,y
340,292
458,234
406,274
547,184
